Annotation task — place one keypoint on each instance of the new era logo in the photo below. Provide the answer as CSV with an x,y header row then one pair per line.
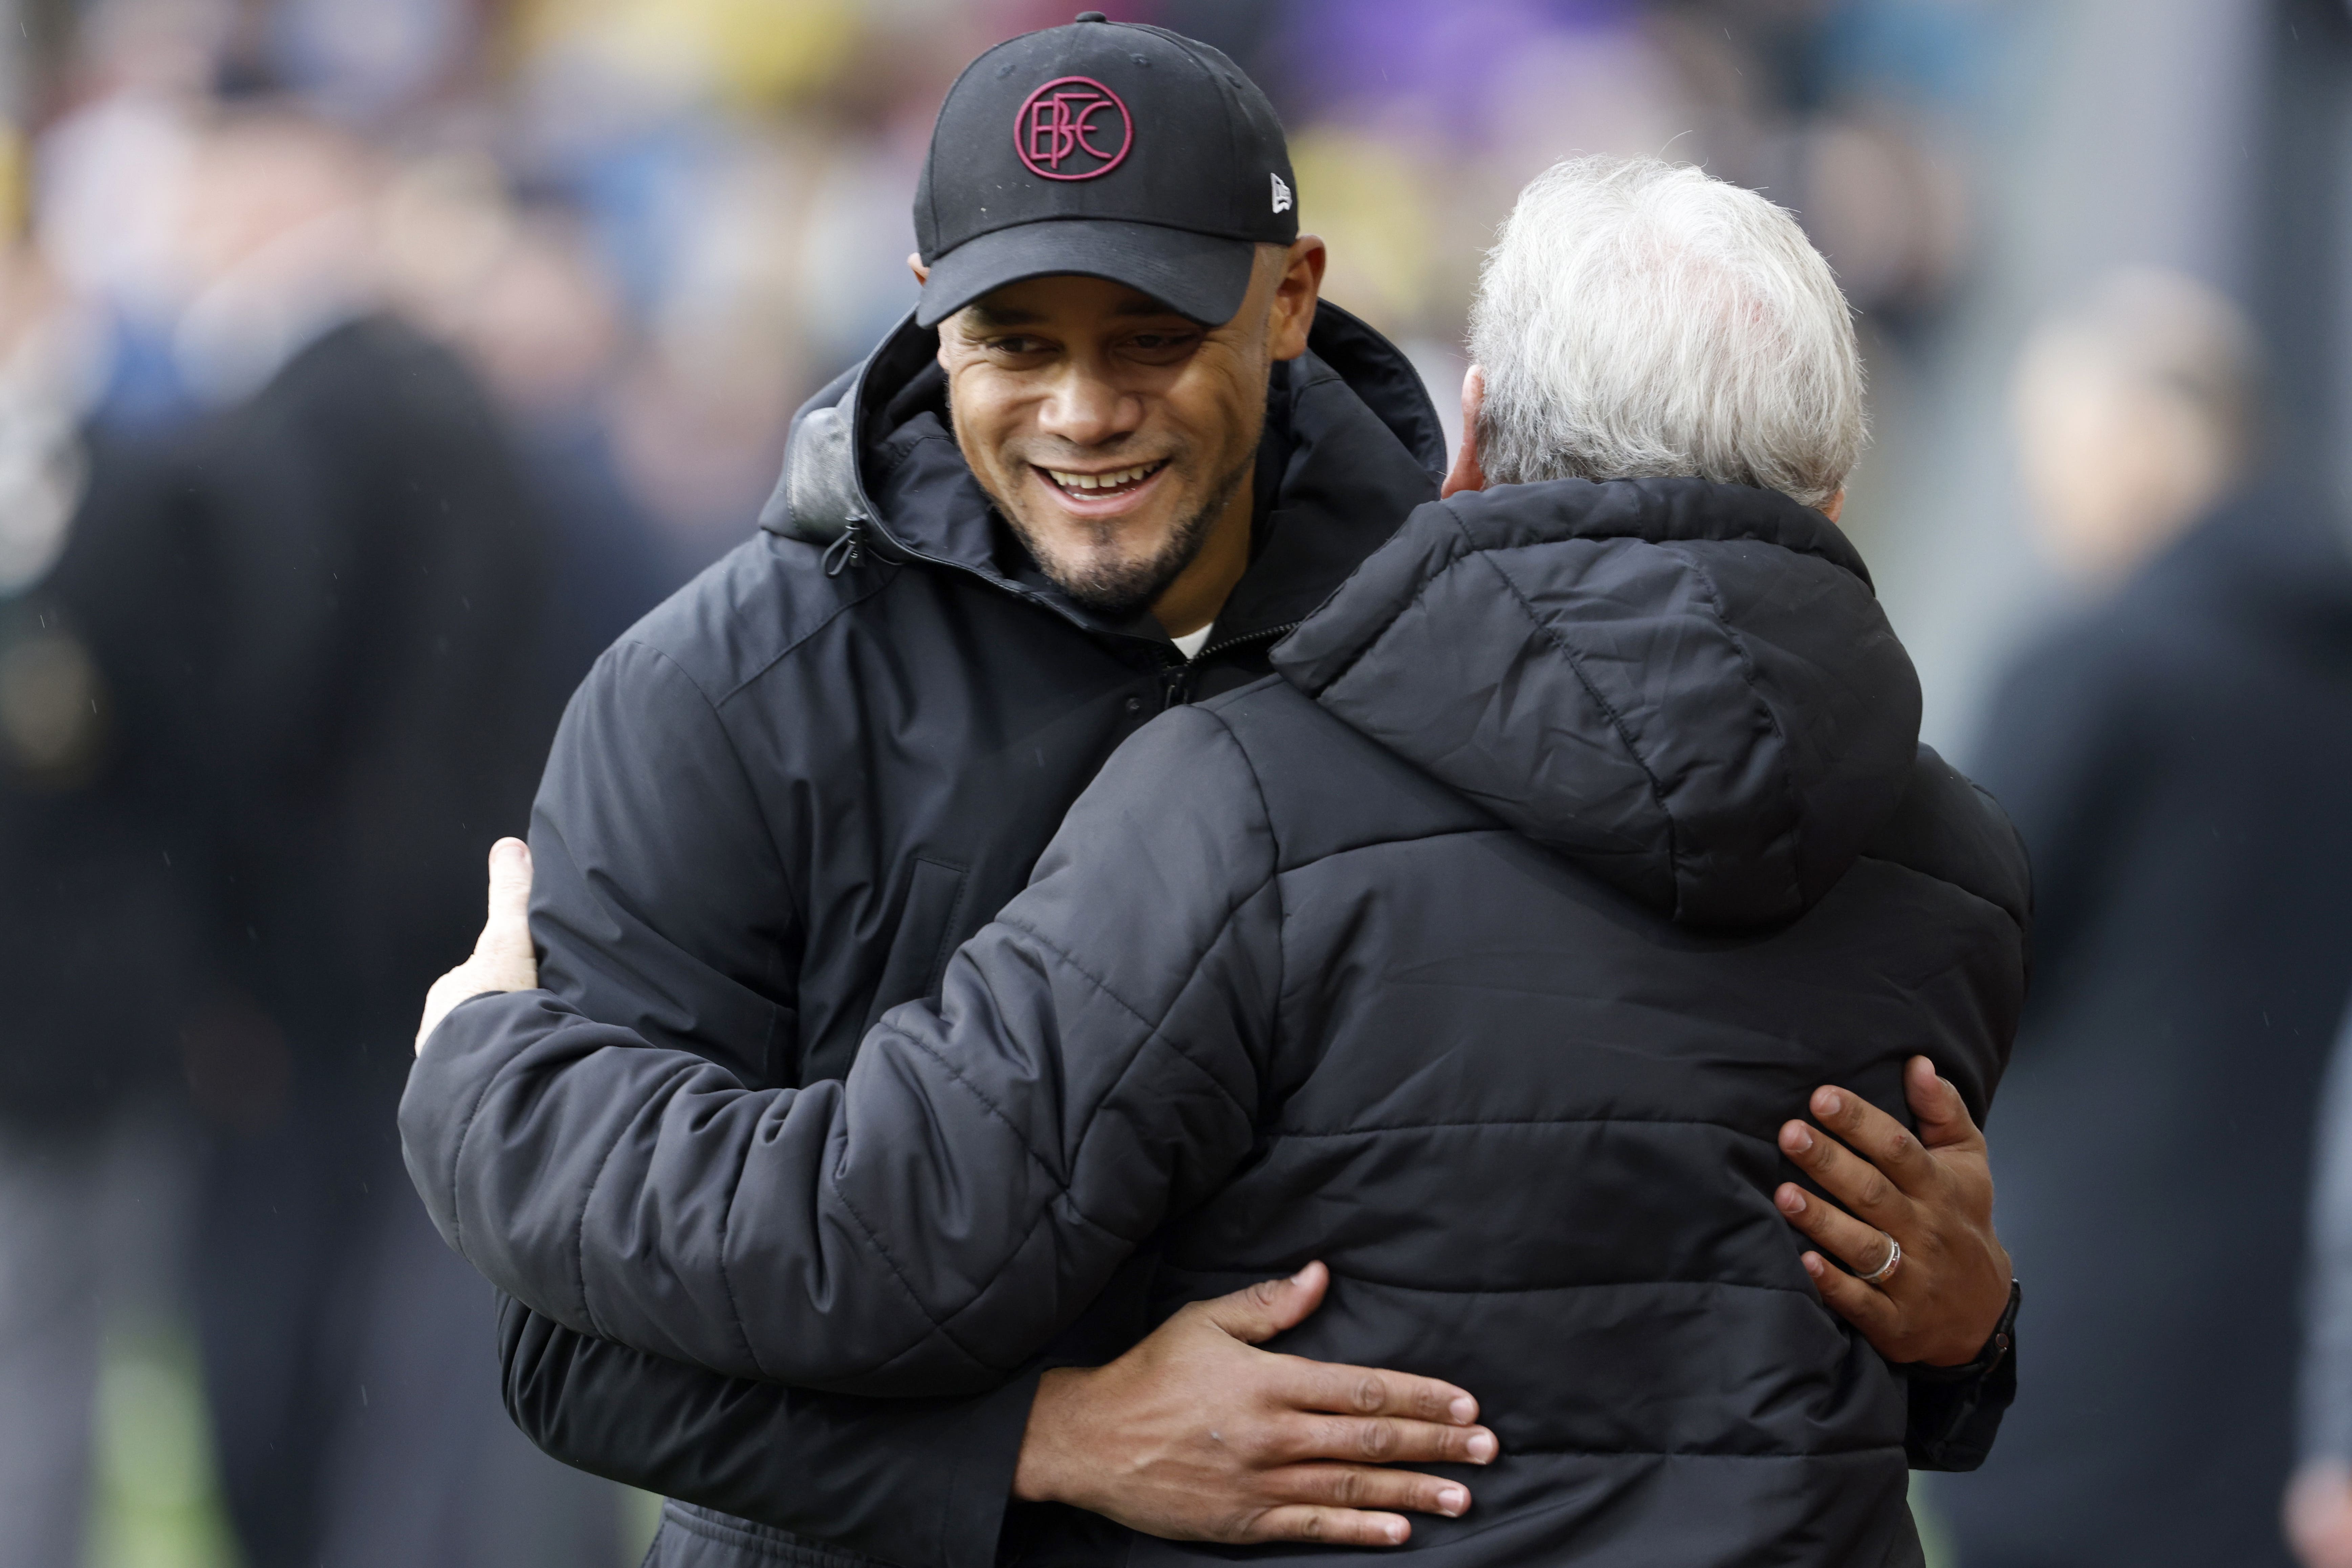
x,y
1281,194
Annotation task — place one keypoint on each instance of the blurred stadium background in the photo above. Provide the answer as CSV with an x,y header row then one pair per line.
x,y
653,225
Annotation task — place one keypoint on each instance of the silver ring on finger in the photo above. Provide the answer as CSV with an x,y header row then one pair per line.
x,y
1886,1269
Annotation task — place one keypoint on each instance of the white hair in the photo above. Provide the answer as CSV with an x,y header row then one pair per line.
x,y
1640,319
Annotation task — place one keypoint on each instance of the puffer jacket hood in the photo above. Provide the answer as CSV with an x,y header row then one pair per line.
x,y
1689,688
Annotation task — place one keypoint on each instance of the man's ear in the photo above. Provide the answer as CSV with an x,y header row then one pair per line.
x,y
1294,294
1467,475
1834,505
922,276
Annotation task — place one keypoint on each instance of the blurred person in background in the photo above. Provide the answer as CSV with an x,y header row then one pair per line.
x,y
366,573
777,805
2319,1502
2175,754
519,292
545,332
98,934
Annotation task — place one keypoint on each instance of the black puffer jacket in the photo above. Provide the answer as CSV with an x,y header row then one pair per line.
x,y
778,803
1480,958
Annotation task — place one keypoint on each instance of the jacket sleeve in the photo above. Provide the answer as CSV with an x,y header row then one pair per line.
x,y
635,928
1955,1413
661,902
919,1483
1092,1066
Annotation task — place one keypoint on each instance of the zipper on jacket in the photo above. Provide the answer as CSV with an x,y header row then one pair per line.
x,y
1270,634
1172,684
1177,678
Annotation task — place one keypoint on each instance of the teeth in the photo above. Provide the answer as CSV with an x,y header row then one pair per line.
x,y
1110,481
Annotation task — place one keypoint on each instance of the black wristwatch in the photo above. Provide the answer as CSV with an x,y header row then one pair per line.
x,y
1996,1349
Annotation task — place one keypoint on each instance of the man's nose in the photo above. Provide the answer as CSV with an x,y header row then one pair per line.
x,y
1088,410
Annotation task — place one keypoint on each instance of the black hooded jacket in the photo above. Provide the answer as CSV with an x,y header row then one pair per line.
x,y
777,805
1485,974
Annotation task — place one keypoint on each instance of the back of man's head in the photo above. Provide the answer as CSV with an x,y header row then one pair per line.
x,y
1641,320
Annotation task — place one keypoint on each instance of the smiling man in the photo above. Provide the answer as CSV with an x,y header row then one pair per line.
x,y
1118,436
1118,452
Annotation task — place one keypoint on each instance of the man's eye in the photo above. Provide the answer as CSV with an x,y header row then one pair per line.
x,y
1017,345
1162,342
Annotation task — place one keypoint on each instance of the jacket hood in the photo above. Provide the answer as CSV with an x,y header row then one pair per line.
x,y
1688,688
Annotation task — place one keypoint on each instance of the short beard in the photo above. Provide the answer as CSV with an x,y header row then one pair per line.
x,y
1120,593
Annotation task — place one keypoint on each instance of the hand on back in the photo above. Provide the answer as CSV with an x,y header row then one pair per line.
x,y
1194,1435
1931,1193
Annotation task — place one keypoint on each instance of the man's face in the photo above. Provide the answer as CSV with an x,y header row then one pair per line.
x,y
1111,432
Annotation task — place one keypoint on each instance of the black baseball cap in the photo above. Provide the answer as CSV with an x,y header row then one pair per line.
x,y
1108,149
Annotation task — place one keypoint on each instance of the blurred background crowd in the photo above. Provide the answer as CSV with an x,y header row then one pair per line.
x,y
367,365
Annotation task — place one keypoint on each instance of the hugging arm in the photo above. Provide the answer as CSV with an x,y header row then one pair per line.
x,y
926,1226
914,1481
1946,1313
692,965
919,1483
1193,1434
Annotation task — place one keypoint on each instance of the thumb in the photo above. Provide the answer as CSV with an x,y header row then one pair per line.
x,y
507,932
1943,1117
1256,1314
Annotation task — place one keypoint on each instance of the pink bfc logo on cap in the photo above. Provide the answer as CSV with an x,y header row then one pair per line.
x,y
1063,130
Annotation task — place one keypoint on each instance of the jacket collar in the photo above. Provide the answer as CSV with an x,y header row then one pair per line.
x,y
1352,444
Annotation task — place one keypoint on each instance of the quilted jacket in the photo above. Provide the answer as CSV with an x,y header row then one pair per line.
x,y
1479,953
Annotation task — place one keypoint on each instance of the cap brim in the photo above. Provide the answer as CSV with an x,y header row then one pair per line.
x,y
1198,276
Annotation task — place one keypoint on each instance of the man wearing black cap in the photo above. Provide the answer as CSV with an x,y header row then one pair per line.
x,y
1117,453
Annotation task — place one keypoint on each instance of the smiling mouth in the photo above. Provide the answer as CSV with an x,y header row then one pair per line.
x,y
1107,486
